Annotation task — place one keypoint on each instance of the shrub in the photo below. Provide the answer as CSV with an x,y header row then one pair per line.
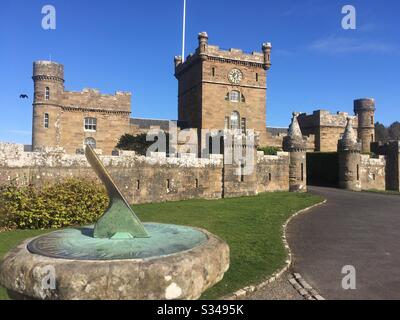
x,y
71,202
272,151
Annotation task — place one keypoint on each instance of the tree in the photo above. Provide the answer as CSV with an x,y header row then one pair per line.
x,y
394,131
381,132
139,143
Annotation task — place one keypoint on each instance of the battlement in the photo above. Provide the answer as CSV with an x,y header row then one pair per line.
x,y
13,156
234,54
364,104
325,118
212,52
94,100
48,69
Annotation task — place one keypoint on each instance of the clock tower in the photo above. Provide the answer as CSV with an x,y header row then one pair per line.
x,y
223,89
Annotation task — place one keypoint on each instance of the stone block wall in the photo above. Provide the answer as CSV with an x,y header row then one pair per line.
x,y
391,150
141,179
147,179
327,128
372,173
272,172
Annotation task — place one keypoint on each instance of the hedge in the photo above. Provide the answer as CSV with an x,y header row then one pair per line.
x,y
58,205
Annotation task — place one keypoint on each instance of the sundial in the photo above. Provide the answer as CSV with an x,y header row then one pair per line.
x,y
119,221
118,234
118,257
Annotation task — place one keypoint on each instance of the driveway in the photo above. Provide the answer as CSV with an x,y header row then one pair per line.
x,y
360,229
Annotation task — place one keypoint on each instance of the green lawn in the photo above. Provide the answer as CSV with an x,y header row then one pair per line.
x,y
252,226
390,192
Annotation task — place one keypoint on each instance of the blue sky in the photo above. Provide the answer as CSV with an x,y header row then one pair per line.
x,y
130,45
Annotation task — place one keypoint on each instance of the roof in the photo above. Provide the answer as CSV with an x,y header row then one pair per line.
x,y
277,130
147,123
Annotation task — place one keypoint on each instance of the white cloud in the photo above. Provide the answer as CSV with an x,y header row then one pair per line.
x,y
341,45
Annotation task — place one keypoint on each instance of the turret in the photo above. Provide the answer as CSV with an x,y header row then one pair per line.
x,y
203,42
266,48
349,149
295,144
365,110
177,60
48,79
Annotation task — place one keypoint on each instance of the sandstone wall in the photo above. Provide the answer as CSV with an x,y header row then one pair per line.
x,y
372,173
328,128
141,179
392,152
148,179
272,172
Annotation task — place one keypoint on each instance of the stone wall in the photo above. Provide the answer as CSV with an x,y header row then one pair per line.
x,y
392,152
147,179
203,85
327,128
272,172
372,173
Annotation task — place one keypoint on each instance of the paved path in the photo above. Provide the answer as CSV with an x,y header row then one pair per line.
x,y
361,229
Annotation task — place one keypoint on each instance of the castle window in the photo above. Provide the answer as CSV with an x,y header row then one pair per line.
x,y
90,124
47,93
242,99
257,77
302,172
168,184
197,183
242,172
226,123
243,125
269,176
234,96
235,120
358,172
213,72
46,120
137,184
90,142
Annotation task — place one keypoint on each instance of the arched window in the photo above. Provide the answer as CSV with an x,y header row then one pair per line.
x,y
47,93
234,96
46,120
235,118
90,142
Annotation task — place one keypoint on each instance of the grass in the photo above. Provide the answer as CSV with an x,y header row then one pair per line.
x,y
9,240
390,192
252,226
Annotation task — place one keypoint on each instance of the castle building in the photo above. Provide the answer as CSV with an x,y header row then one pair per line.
x,y
72,119
217,89
223,89
328,128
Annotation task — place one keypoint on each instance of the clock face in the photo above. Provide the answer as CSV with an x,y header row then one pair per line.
x,y
235,76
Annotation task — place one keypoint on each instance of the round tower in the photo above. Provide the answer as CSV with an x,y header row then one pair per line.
x,y
349,149
295,144
364,109
266,48
48,80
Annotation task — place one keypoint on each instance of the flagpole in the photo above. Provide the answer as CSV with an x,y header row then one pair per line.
x,y
184,31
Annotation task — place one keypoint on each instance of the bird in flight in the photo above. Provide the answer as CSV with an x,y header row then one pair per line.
x,y
23,96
